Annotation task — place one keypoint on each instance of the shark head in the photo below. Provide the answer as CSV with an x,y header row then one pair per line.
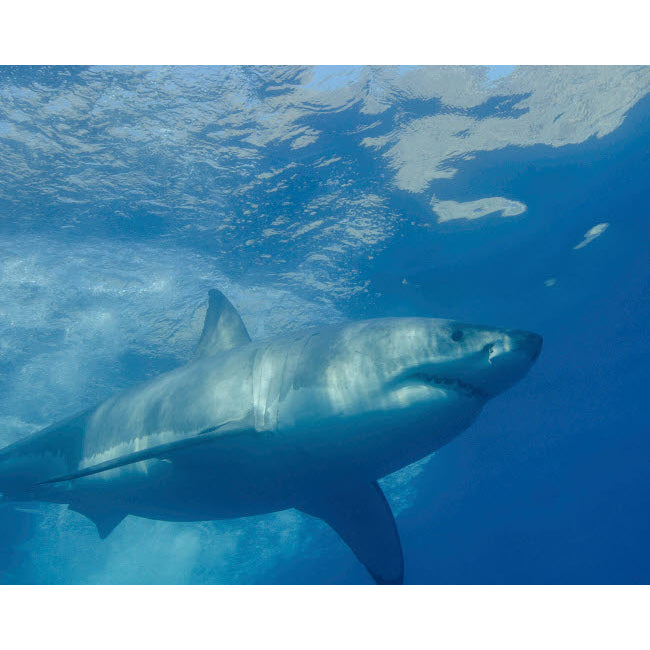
x,y
404,363
479,362
393,390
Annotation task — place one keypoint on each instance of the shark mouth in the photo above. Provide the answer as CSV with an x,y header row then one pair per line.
x,y
447,383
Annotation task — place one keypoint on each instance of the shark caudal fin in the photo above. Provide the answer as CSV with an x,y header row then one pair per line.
x,y
361,516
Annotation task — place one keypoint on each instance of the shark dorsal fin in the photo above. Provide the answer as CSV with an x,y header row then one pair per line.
x,y
223,328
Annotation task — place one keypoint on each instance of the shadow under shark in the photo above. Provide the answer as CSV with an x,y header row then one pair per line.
x,y
307,421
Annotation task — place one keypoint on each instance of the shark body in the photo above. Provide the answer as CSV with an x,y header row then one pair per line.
x,y
308,421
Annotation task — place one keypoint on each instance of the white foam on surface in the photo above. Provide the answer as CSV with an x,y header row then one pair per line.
x,y
470,210
555,106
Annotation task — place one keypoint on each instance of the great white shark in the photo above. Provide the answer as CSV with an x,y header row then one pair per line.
x,y
309,421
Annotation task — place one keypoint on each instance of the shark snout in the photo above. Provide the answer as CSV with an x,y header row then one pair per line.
x,y
509,357
527,343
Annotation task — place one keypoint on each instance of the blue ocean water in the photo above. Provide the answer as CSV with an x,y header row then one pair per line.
x,y
513,196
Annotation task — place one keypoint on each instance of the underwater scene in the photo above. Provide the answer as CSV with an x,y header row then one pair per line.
x,y
324,324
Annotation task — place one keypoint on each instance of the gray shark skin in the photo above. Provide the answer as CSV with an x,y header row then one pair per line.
x,y
308,421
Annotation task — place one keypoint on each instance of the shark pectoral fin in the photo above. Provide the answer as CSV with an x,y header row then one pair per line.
x,y
105,520
223,328
363,519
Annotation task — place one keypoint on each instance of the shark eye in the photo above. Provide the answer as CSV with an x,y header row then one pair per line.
x,y
457,335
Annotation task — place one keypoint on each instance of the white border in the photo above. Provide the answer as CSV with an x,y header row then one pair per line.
x,y
325,617
334,32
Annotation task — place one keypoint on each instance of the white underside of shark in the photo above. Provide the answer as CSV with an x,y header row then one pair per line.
x,y
307,421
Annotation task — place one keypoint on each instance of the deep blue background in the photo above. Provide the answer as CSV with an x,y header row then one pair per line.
x,y
551,484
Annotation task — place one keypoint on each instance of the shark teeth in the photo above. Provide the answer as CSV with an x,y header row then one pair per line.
x,y
454,384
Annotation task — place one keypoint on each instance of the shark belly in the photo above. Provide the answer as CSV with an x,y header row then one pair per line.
x,y
373,445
